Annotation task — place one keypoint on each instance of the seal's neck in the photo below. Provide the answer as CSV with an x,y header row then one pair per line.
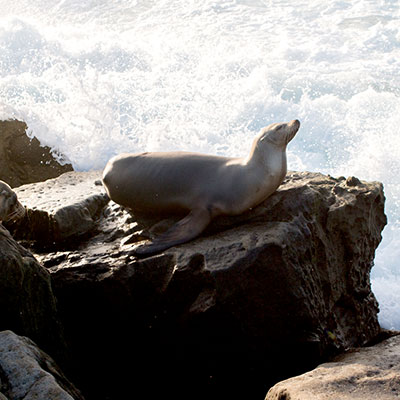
x,y
269,155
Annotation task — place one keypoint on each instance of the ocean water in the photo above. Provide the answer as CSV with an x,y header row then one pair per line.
x,y
95,78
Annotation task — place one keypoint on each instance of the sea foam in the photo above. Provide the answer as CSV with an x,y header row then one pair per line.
x,y
94,79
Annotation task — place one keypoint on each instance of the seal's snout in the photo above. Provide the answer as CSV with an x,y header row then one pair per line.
x,y
17,211
294,126
10,207
295,123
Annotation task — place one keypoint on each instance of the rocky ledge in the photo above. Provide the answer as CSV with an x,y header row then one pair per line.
x,y
257,298
361,374
61,209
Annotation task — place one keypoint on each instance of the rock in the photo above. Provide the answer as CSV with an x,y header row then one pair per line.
x,y
27,302
59,209
29,373
367,373
24,160
258,297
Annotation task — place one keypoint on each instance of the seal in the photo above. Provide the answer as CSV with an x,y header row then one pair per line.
x,y
202,186
10,207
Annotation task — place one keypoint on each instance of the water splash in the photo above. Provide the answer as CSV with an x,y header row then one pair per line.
x,y
95,79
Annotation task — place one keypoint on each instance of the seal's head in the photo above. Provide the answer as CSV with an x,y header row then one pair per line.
x,y
280,134
10,207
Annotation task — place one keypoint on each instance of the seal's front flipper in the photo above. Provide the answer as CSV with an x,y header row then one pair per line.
x,y
184,230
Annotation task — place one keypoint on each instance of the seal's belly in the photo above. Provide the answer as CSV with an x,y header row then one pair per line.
x,y
163,182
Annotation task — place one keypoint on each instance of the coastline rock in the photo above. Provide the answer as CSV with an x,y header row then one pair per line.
x,y
28,373
24,160
257,298
367,373
59,209
27,303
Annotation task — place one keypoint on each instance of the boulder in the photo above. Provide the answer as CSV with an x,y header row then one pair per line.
x,y
23,159
59,209
27,302
367,373
26,372
257,298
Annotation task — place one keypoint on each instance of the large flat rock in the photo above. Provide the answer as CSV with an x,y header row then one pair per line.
x,y
264,295
61,208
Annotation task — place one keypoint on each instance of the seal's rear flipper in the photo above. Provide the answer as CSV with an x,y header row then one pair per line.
x,y
184,230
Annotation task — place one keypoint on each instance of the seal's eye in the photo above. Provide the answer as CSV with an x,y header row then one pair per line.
x,y
13,198
279,127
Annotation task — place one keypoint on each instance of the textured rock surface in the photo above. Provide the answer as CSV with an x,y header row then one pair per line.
x,y
368,373
60,208
24,160
28,373
256,298
27,303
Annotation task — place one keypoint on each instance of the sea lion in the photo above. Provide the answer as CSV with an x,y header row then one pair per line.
x,y
10,207
203,186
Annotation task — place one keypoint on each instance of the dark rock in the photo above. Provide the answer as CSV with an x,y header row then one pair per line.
x,y
27,372
256,298
353,181
27,302
24,160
